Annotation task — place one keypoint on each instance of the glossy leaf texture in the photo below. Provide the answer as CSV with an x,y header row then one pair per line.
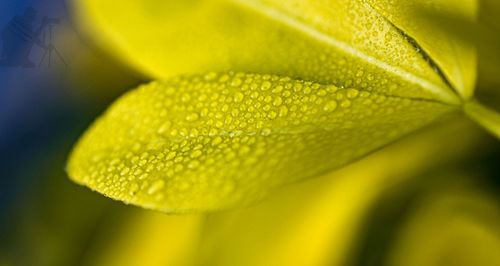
x,y
343,42
298,88
455,57
206,142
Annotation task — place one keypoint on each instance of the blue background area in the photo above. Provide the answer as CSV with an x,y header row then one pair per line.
x,y
33,110
45,218
44,110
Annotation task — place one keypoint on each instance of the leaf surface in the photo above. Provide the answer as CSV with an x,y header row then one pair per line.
x,y
206,142
300,87
456,58
344,43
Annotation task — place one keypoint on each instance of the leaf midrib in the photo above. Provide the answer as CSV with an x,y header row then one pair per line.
x,y
450,98
303,130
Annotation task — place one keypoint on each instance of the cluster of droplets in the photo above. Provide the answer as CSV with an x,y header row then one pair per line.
x,y
217,139
377,56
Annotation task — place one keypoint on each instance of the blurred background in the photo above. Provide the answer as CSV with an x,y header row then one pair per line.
x,y
431,198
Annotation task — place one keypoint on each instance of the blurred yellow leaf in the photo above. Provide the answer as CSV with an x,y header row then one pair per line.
x,y
215,141
484,116
150,238
454,223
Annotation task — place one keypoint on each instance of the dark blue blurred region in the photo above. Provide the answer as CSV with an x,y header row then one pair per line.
x,y
53,83
35,110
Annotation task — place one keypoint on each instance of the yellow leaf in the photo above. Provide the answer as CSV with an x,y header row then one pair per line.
x,y
455,57
198,143
150,238
320,221
345,43
486,117
310,220
453,223
337,80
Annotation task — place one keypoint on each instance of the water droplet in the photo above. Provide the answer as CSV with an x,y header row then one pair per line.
x,y
352,93
171,155
210,76
196,154
224,78
277,89
307,90
238,97
283,111
216,141
164,127
124,171
345,103
236,82
277,101
193,164
321,93
331,88
192,117
137,172
272,115
364,94
133,188
266,85
194,133
178,167
330,106
157,185
213,132
174,132
244,150
185,97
